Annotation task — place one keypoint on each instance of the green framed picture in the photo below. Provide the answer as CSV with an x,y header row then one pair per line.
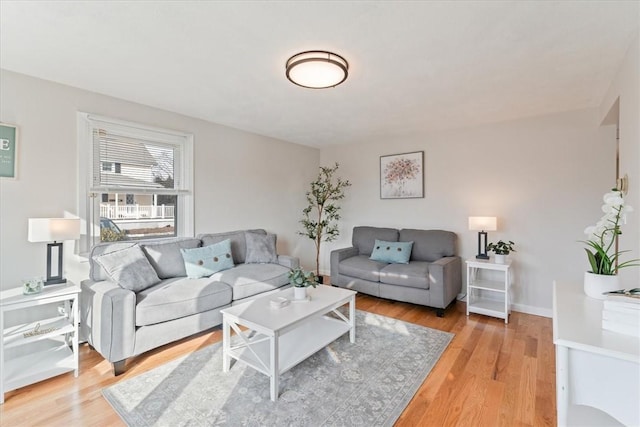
x,y
8,151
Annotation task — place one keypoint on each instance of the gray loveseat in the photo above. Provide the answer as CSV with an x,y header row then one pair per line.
x,y
120,322
432,277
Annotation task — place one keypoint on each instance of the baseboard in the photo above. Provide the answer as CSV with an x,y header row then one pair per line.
x,y
521,308
536,311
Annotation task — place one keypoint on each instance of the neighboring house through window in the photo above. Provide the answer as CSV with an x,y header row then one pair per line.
x,y
138,178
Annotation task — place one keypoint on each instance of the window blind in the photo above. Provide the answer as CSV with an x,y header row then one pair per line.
x,y
135,163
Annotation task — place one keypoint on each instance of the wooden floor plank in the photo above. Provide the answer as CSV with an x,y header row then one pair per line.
x,y
491,374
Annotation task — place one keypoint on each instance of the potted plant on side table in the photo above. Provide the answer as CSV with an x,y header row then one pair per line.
x,y
300,280
501,250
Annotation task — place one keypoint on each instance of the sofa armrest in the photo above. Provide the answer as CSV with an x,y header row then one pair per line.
x,y
445,277
288,261
339,255
108,318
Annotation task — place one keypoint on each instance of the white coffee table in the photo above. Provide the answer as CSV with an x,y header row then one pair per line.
x,y
278,339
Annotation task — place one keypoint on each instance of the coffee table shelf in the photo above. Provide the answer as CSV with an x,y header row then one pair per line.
x,y
294,346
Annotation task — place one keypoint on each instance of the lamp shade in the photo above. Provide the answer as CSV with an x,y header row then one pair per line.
x,y
317,69
53,229
483,223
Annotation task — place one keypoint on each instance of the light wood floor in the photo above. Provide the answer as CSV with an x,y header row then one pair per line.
x,y
491,374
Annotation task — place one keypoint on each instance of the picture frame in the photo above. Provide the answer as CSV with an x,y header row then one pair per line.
x,y
402,176
8,151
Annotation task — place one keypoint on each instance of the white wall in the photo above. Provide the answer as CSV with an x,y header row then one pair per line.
x,y
626,88
542,177
241,179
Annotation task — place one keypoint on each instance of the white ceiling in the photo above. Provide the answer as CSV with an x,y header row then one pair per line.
x,y
414,66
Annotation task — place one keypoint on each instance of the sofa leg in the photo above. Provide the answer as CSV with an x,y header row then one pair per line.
x,y
440,312
118,367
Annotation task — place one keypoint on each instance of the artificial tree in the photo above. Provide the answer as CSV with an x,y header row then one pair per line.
x,y
321,215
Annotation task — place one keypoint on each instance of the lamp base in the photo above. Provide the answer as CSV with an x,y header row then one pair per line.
x,y
55,281
481,256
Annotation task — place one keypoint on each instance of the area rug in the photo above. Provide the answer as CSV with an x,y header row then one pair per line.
x,y
368,383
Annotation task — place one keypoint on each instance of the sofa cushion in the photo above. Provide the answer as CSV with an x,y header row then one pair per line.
x,y
179,297
129,268
365,237
391,252
430,245
96,272
165,256
413,275
361,267
261,248
238,242
250,279
203,262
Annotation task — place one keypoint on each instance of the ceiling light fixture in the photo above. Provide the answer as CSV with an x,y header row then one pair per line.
x,y
317,69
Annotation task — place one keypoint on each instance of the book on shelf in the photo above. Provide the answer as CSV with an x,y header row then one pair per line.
x,y
631,318
620,309
622,328
623,299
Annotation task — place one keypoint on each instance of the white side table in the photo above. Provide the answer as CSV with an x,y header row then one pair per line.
x,y
488,295
55,339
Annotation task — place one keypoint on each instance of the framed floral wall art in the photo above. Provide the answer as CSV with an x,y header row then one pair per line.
x,y
402,176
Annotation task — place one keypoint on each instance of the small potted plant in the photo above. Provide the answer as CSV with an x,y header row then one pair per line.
x,y
501,249
300,280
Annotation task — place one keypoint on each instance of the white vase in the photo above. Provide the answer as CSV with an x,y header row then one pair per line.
x,y
500,258
596,284
299,293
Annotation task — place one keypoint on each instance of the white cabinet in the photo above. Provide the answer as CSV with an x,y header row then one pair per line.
x,y
597,371
50,343
488,286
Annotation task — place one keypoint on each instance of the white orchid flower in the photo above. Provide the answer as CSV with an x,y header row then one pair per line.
x,y
603,254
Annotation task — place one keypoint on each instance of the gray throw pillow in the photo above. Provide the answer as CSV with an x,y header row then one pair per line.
x,y
261,248
129,268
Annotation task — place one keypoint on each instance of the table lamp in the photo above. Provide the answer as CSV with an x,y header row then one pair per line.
x,y
54,230
482,224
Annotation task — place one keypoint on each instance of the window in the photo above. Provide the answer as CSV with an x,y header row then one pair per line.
x,y
138,180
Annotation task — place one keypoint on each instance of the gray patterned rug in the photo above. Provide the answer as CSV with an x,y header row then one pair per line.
x,y
368,383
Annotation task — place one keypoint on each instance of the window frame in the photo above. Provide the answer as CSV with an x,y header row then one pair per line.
x,y
88,197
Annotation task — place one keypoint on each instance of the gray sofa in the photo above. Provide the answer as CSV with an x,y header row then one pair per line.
x,y
120,323
432,277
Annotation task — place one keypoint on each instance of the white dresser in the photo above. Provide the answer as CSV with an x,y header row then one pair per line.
x,y
597,371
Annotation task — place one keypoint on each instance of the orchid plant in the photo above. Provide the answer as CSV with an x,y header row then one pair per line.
x,y
602,252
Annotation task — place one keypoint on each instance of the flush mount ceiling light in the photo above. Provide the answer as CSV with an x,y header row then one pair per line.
x,y
317,69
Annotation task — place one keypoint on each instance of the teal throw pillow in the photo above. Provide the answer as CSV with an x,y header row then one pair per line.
x,y
203,262
392,252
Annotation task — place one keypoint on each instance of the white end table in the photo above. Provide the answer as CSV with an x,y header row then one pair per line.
x,y
488,295
56,337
